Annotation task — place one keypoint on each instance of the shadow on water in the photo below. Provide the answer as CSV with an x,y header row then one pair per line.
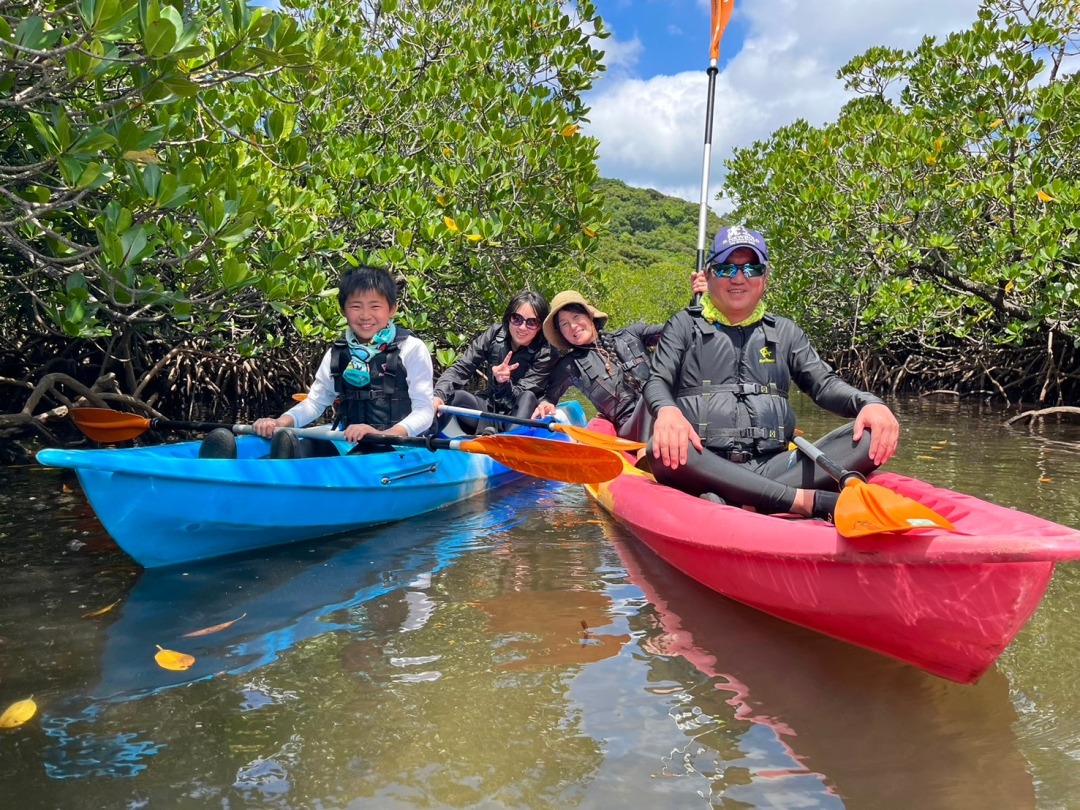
x,y
812,717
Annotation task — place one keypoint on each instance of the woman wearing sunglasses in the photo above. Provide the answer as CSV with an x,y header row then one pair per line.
x,y
514,359
719,392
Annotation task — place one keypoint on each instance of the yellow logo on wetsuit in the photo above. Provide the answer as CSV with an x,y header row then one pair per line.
x,y
766,355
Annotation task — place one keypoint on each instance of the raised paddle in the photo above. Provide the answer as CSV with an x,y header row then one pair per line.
x,y
542,458
578,434
865,508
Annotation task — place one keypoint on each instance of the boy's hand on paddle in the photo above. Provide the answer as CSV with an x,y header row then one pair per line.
x,y
266,426
354,433
502,371
884,431
671,435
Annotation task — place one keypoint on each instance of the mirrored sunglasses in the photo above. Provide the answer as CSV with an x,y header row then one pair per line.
x,y
728,270
531,323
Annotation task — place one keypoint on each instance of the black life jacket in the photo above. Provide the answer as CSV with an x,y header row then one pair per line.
x,y
525,357
616,394
384,401
741,401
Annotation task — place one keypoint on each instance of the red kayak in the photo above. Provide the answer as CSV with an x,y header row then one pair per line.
x,y
946,602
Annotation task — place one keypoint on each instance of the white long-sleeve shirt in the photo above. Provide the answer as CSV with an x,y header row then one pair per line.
x,y
417,361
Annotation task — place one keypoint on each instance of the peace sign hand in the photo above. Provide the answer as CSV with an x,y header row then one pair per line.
x,y
502,372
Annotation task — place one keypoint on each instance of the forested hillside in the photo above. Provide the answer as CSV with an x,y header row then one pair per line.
x,y
646,253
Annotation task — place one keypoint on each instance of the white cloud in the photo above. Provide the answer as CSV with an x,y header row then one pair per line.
x,y
620,56
651,131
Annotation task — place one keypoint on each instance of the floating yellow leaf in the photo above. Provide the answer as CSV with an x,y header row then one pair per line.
x,y
100,611
569,130
449,222
208,630
1042,195
18,713
936,447
66,489
1045,480
142,156
997,123
171,659
926,458
473,237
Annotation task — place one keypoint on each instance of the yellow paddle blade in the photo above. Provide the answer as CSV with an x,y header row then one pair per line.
x,y
865,509
18,713
594,439
544,458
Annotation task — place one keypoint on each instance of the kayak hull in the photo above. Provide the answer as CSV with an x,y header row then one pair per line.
x,y
946,602
165,506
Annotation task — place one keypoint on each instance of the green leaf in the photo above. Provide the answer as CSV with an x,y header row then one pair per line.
x,y
160,37
30,33
90,175
92,141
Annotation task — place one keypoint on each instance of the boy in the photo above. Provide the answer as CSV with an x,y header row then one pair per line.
x,y
378,377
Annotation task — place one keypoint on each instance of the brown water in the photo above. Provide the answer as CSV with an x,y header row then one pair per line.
x,y
516,651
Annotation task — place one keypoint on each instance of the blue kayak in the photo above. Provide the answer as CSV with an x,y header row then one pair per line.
x,y
164,505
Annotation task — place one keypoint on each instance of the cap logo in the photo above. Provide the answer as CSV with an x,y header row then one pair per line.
x,y
738,235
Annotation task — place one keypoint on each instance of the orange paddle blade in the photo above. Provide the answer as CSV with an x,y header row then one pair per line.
x,y
865,509
543,458
108,427
721,13
591,437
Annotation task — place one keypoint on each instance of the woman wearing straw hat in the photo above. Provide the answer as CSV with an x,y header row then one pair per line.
x,y
609,368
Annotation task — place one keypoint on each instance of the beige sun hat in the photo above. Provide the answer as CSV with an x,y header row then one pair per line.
x,y
551,330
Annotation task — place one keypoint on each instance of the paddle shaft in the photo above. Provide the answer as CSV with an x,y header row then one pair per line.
x,y
244,430
498,417
328,433
838,473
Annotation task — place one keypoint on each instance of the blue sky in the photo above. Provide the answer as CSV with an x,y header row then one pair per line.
x,y
778,63
673,34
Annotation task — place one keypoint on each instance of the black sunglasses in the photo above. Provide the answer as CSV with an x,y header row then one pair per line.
x,y
517,320
729,270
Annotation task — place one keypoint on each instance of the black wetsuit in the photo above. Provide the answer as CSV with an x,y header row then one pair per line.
x,y
732,384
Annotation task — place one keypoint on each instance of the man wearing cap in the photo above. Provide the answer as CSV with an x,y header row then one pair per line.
x,y
719,393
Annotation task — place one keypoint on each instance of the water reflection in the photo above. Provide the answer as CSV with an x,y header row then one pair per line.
x,y
443,663
839,725
389,667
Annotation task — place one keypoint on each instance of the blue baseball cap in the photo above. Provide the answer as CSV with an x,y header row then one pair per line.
x,y
733,237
